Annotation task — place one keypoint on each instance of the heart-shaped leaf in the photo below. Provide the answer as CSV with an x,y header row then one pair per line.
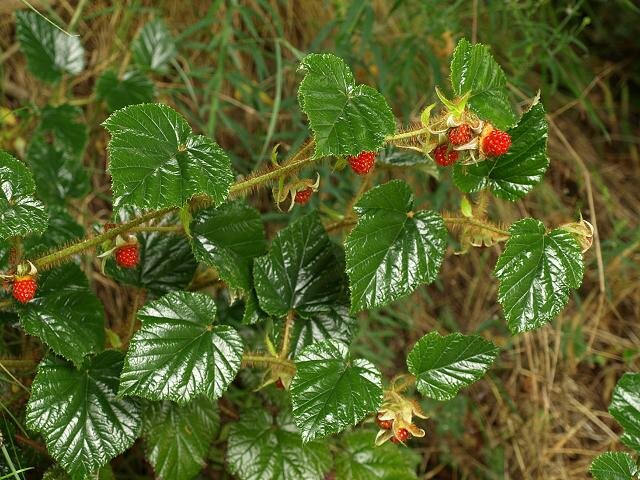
x,y
20,213
537,270
154,48
133,88
261,448
84,423
65,314
346,118
50,52
358,458
614,466
331,391
229,238
474,70
625,408
444,365
177,438
179,352
512,175
157,162
303,272
393,249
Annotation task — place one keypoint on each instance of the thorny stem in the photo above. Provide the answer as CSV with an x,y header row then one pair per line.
x,y
286,337
264,360
410,134
449,220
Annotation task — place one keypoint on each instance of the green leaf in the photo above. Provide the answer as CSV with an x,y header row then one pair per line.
x,y
177,438
444,365
78,413
473,69
359,459
61,230
229,238
157,162
614,466
625,408
154,47
512,175
261,447
65,314
20,213
166,263
252,311
65,127
334,323
58,175
303,272
393,249
331,391
179,352
346,118
134,87
50,52
397,157
537,270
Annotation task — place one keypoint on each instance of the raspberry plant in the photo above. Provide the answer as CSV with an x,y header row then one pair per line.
x,y
182,219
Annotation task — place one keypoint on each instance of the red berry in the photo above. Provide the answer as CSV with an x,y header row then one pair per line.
x,y
496,143
402,435
443,157
384,424
24,288
127,256
460,135
279,384
303,196
363,162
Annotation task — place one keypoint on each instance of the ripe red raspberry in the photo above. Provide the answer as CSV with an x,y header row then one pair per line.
x,y
460,135
401,436
363,162
24,288
384,424
303,196
443,157
496,143
279,384
127,256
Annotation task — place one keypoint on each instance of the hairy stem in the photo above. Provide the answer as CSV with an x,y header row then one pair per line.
x,y
410,134
265,360
449,220
286,337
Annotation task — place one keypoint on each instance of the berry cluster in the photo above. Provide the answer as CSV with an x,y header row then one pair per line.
x,y
491,143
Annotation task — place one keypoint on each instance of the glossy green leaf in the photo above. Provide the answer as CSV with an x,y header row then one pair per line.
x,y
50,52
157,162
177,438
332,391
154,48
58,473
134,87
166,264
20,213
58,175
262,447
444,365
512,175
303,272
179,352
625,408
537,270
61,230
346,118
65,314
614,466
473,69
252,311
393,249
229,238
358,458
78,413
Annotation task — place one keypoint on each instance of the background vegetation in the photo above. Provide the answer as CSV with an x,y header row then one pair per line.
x,y
541,412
